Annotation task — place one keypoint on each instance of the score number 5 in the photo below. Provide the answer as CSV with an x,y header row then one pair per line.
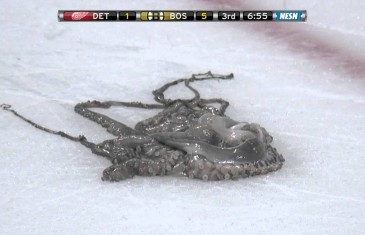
x,y
204,16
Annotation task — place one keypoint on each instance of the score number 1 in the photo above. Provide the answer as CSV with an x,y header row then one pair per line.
x,y
127,15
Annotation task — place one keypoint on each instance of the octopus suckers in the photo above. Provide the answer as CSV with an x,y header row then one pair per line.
x,y
205,177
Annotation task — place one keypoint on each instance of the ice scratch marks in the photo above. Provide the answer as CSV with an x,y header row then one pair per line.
x,y
334,139
52,31
39,202
112,47
296,192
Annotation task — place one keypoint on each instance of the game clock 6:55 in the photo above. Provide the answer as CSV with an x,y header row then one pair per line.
x,y
257,15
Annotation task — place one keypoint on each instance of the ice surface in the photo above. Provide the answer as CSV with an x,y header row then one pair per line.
x,y
311,101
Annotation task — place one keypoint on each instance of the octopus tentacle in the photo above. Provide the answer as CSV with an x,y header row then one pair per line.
x,y
114,127
159,93
202,168
144,167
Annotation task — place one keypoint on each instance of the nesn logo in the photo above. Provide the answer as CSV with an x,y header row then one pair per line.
x,y
290,16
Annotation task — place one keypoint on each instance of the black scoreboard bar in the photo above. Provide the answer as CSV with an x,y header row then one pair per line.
x,y
165,16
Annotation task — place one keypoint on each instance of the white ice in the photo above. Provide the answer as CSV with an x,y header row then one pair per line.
x,y
312,102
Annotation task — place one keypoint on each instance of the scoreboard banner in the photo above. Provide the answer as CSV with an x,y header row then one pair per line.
x,y
164,16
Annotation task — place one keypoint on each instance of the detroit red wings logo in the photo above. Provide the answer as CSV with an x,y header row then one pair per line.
x,y
79,15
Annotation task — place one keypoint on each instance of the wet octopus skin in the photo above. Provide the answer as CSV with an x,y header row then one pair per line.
x,y
189,133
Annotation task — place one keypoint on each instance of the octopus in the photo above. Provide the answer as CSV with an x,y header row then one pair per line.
x,y
188,136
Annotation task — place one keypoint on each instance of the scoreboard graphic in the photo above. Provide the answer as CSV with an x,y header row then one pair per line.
x,y
164,16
